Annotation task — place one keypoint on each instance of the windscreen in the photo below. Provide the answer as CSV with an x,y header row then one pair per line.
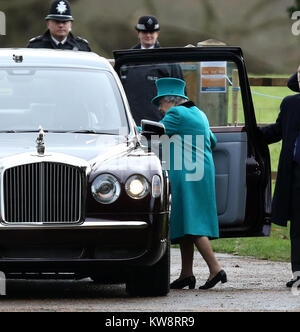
x,y
60,100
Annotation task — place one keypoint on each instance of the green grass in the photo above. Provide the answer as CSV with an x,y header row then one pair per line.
x,y
275,248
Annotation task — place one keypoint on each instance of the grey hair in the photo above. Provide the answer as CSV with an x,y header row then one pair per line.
x,y
176,100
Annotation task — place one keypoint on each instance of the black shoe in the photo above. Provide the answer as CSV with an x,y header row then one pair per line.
x,y
290,283
181,283
221,276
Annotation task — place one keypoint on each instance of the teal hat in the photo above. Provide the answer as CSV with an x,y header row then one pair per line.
x,y
169,86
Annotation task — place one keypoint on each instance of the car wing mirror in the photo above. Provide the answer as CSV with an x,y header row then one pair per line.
x,y
150,128
151,132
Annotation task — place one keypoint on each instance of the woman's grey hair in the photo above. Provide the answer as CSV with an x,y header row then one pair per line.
x,y
174,100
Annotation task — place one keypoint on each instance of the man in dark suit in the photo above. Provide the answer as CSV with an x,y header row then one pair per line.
x,y
286,200
59,35
139,82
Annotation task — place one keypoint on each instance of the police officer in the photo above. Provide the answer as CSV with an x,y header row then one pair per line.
x,y
148,31
59,36
139,82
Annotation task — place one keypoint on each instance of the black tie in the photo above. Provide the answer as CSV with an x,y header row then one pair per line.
x,y
297,150
60,45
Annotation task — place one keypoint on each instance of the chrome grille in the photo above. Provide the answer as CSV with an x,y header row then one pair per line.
x,y
43,192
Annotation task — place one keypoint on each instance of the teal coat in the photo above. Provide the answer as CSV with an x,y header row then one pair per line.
x,y
194,208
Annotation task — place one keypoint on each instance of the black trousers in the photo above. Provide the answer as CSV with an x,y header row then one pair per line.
x,y
295,219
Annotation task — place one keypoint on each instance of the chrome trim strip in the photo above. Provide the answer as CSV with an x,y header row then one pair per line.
x,y
86,225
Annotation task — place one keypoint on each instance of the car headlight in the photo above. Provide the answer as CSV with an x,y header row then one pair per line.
x,y
137,187
106,189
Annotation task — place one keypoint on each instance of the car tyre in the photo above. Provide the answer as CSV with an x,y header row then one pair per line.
x,y
153,280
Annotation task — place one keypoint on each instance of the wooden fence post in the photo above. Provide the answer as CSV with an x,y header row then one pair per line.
x,y
235,96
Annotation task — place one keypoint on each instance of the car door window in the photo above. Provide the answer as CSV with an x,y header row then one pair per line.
x,y
214,87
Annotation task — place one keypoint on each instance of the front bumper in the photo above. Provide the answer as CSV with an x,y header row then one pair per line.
x,y
85,248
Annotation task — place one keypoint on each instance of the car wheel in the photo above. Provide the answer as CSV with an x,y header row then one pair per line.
x,y
153,280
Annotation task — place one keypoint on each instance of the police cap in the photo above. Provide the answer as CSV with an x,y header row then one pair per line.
x,y
148,23
60,10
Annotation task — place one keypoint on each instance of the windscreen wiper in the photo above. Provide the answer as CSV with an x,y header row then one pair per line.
x,y
13,131
80,131
91,131
83,131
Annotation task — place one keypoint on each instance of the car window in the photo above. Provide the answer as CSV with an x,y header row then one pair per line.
x,y
60,100
212,85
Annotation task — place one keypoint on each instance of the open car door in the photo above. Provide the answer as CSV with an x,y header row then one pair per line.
x,y
217,82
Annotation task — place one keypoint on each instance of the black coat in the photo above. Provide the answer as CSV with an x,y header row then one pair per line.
x,y
139,84
72,43
286,128
293,83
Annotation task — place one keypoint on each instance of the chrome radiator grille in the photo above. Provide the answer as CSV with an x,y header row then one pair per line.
x,y
43,192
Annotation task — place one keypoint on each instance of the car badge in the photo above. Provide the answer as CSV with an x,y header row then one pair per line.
x,y
40,144
61,7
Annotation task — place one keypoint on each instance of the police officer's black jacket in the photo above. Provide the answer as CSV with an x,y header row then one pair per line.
x,y
139,84
72,43
139,46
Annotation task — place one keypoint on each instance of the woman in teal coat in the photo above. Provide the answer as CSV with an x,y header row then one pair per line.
x,y
192,176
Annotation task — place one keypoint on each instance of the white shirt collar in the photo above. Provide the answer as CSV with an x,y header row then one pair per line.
x,y
57,42
146,48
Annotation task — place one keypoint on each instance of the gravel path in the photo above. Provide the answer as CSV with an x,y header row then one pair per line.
x,y
253,285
